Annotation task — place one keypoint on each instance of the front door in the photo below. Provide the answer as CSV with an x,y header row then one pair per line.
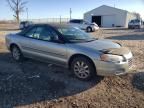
x,y
40,43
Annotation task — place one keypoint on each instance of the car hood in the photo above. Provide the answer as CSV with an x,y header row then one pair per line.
x,y
105,46
99,44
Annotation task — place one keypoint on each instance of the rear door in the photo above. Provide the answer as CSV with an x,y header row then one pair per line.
x,y
41,42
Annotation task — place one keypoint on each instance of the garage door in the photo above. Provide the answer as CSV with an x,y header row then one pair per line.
x,y
108,20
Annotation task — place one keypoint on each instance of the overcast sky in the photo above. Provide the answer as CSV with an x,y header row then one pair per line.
x,y
57,8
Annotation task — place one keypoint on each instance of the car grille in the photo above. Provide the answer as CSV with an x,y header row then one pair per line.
x,y
130,63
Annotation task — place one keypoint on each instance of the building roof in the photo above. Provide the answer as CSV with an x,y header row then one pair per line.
x,y
108,7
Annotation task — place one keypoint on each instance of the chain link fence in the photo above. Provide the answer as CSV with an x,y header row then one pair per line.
x,y
50,20
40,20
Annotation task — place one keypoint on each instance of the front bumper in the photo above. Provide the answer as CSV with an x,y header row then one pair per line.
x,y
112,69
95,28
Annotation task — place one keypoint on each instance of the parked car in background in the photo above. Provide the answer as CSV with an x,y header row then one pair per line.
x,y
84,25
25,24
72,48
135,24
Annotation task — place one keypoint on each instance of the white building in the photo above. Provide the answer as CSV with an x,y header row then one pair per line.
x,y
106,16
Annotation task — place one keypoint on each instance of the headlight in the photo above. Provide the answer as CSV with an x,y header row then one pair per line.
x,y
119,44
112,58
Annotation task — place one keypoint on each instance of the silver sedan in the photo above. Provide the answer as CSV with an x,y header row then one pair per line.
x,y
72,48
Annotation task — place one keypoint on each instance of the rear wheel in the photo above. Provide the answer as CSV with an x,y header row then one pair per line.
x,y
16,53
83,68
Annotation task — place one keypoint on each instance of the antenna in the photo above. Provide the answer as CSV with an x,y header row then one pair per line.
x,y
115,3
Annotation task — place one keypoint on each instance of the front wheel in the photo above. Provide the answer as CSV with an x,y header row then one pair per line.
x,y
83,68
16,53
89,29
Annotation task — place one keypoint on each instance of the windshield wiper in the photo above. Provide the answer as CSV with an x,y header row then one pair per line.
x,y
84,40
78,39
93,39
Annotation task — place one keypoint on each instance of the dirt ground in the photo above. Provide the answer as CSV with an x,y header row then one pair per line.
x,y
32,84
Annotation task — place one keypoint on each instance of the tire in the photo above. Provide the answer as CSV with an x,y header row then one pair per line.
x,y
16,53
89,29
83,68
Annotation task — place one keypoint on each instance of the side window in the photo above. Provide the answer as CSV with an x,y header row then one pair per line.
x,y
42,33
137,21
72,21
82,22
38,32
48,35
85,22
132,21
31,32
75,21
45,35
55,36
78,21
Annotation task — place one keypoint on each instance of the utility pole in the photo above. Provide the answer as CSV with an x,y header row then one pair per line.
x,y
60,19
27,14
115,3
70,13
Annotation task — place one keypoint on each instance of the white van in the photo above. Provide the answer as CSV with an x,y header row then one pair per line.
x,y
135,24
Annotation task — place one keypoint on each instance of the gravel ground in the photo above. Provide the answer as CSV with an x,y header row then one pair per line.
x,y
32,84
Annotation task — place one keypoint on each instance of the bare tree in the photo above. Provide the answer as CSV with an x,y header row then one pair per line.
x,y
137,15
17,6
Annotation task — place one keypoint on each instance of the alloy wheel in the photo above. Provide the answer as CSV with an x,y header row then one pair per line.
x,y
81,69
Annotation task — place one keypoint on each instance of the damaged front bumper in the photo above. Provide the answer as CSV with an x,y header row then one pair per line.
x,y
104,68
111,69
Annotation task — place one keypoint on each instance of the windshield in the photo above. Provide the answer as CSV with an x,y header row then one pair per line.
x,y
75,35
